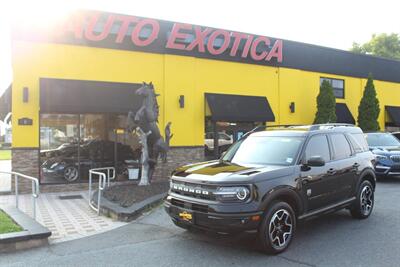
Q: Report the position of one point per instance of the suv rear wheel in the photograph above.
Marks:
(277, 228)
(364, 202)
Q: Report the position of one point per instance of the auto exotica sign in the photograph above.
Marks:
(144, 34)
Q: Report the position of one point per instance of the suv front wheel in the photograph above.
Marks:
(277, 228)
(364, 202)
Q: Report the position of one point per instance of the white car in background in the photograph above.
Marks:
(224, 141)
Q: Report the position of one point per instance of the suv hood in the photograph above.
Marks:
(385, 150)
(222, 171)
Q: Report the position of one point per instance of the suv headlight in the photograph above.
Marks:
(232, 194)
(381, 157)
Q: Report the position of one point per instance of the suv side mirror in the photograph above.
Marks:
(315, 161)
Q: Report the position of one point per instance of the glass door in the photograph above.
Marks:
(59, 148)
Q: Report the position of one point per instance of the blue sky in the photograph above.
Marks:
(329, 23)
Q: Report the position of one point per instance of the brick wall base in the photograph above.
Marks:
(26, 161)
(178, 156)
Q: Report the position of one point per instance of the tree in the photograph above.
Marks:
(326, 104)
(384, 45)
(368, 110)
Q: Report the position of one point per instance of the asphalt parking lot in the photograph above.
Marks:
(332, 240)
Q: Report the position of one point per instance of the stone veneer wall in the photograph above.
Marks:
(178, 156)
(26, 161)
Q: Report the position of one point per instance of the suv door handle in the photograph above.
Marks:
(307, 179)
(331, 171)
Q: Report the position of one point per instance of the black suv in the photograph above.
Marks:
(268, 180)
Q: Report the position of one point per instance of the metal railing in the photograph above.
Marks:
(104, 175)
(35, 189)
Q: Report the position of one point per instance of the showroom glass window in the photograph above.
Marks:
(59, 137)
(337, 85)
(73, 144)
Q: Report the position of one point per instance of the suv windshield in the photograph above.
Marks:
(265, 150)
(382, 139)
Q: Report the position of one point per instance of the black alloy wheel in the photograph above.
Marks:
(364, 204)
(277, 228)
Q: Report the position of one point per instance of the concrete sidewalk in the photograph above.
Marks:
(68, 218)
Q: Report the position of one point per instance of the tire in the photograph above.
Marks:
(362, 209)
(71, 173)
(277, 228)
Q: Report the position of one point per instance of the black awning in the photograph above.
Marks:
(78, 96)
(5, 103)
(394, 113)
(343, 114)
(239, 108)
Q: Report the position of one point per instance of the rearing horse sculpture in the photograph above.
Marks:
(146, 119)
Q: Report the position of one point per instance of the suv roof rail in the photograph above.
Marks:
(330, 126)
(282, 126)
(260, 128)
(312, 127)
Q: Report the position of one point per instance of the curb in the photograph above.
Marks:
(33, 235)
(116, 212)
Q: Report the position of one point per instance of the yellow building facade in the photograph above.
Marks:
(173, 76)
(175, 73)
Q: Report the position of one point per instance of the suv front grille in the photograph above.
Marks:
(395, 158)
(191, 206)
(193, 190)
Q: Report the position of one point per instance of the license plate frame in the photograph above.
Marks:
(186, 216)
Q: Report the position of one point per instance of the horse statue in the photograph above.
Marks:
(168, 135)
(144, 122)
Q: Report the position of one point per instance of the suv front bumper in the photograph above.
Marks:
(202, 218)
(383, 170)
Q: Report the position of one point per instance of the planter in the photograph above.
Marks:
(32, 235)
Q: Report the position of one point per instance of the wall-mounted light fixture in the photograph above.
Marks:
(25, 95)
(292, 107)
(181, 101)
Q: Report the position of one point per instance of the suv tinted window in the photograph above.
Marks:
(318, 146)
(382, 139)
(265, 150)
(341, 146)
(359, 142)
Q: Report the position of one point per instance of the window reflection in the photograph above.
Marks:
(59, 147)
(71, 145)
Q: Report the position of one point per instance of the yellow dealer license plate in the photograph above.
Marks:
(186, 216)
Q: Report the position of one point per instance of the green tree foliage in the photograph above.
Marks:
(384, 45)
(326, 104)
(368, 110)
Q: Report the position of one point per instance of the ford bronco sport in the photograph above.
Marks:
(269, 180)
